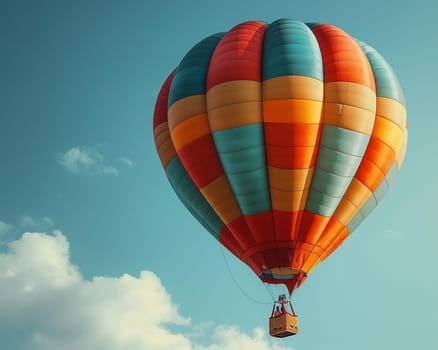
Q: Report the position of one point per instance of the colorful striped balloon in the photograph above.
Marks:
(280, 139)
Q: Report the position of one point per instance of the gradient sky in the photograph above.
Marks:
(78, 82)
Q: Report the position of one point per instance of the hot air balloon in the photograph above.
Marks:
(280, 139)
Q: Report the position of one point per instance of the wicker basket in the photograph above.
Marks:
(284, 325)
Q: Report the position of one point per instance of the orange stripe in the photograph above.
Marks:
(338, 240)
(190, 130)
(304, 252)
(312, 261)
(380, 154)
(331, 231)
(369, 174)
(312, 226)
(292, 111)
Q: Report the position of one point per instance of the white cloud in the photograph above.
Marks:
(29, 221)
(5, 228)
(86, 160)
(126, 161)
(46, 304)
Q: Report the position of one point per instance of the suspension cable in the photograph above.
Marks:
(237, 284)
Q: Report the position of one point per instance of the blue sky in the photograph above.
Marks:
(79, 170)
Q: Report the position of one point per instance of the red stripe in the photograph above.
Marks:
(291, 157)
(201, 161)
(241, 232)
(261, 226)
(286, 224)
(238, 55)
(292, 135)
(160, 112)
(343, 58)
(228, 241)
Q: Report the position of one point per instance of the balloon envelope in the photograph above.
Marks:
(280, 139)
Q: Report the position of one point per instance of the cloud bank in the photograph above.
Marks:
(46, 304)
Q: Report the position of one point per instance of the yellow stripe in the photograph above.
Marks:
(186, 108)
(290, 179)
(235, 115)
(357, 193)
(388, 132)
(349, 117)
(288, 201)
(232, 92)
(166, 152)
(228, 210)
(160, 128)
(351, 94)
(219, 195)
(293, 87)
(392, 110)
(345, 211)
(163, 143)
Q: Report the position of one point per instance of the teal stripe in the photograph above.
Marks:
(328, 183)
(392, 174)
(240, 161)
(344, 140)
(355, 222)
(318, 208)
(376, 198)
(248, 181)
(320, 203)
(242, 154)
(387, 84)
(269, 274)
(241, 138)
(290, 48)
(339, 156)
(192, 198)
(380, 191)
(191, 74)
(337, 162)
